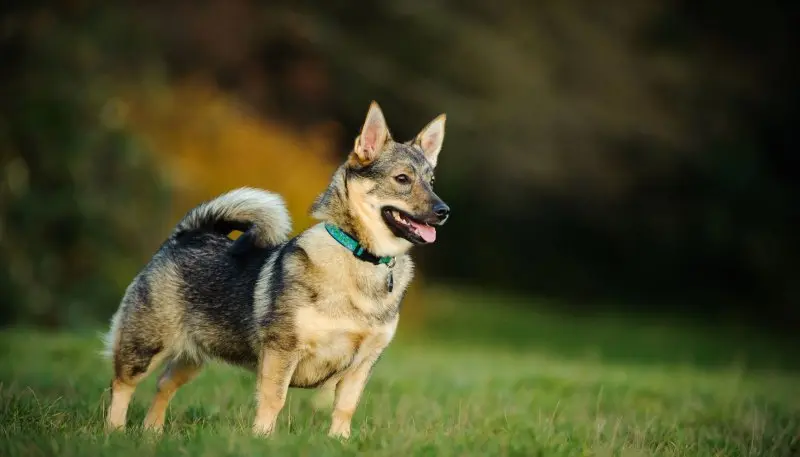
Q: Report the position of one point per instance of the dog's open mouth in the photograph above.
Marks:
(405, 226)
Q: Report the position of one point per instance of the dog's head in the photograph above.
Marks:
(390, 185)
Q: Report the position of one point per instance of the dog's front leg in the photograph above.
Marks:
(348, 392)
(274, 375)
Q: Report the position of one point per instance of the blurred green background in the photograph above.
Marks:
(635, 158)
(619, 275)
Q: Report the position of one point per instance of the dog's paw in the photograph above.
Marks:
(153, 425)
(339, 432)
(263, 430)
(154, 429)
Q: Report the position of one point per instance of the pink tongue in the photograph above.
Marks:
(427, 232)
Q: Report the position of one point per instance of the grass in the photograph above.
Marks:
(479, 379)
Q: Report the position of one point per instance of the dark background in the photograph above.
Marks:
(635, 157)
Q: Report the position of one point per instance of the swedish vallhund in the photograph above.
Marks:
(316, 310)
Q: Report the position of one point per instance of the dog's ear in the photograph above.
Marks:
(430, 139)
(373, 136)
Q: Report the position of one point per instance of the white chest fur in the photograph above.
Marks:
(330, 346)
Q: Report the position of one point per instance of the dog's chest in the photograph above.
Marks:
(330, 345)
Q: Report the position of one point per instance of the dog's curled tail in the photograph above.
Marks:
(261, 214)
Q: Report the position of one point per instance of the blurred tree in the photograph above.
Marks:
(79, 194)
(210, 144)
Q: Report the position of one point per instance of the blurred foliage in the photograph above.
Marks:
(602, 153)
(210, 145)
(79, 193)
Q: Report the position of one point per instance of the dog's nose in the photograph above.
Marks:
(441, 211)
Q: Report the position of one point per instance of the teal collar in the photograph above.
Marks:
(353, 246)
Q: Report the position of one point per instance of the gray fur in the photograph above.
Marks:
(262, 212)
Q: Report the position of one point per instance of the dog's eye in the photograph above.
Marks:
(402, 179)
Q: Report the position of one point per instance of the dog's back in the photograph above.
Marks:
(218, 278)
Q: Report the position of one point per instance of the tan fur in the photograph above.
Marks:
(177, 373)
(121, 394)
(348, 393)
(274, 377)
(166, 300)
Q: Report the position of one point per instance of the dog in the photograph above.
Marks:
(313, 311)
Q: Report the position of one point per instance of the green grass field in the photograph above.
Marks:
(478, 379)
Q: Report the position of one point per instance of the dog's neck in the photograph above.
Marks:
(336, 206)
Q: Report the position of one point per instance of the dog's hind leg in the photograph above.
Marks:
(177, 373)
(135, 357)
